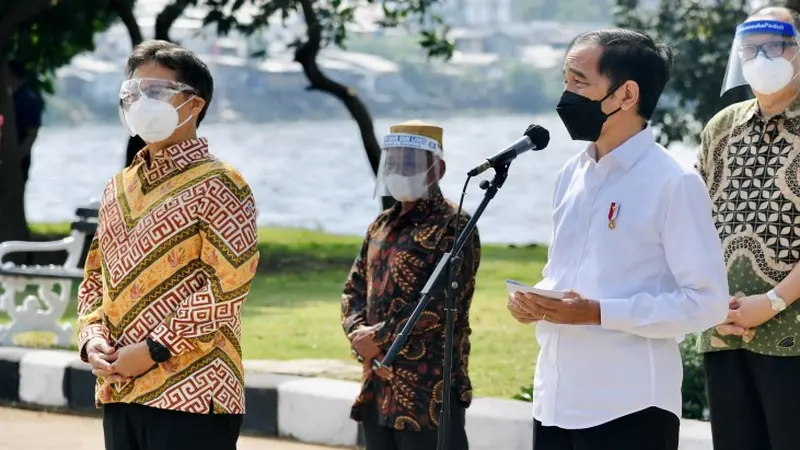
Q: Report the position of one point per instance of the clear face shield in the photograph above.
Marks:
(763, 56)
(409, 168)
(150, 94)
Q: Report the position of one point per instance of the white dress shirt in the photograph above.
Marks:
(658, 274)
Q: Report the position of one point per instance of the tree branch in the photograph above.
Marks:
(306, 54)
(124, 9)
(168, 16)
(20, 12)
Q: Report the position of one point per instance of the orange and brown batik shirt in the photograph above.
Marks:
(173, 259)
(398, 256)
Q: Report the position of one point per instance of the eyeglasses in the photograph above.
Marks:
(407, 161)
(153, 88)
(772, 49)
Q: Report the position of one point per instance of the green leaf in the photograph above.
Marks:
(700, 33)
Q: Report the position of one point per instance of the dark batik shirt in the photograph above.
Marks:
(398, 256)
(752, 169)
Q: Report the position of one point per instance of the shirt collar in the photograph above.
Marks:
(180, 154)
(751, 110)
(627, 154)
(421, 209)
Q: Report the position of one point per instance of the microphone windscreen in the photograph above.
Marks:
(538, 135)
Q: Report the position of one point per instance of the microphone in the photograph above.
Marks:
(535, 138)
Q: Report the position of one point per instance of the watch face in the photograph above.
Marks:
(163, 354)
(158, 352)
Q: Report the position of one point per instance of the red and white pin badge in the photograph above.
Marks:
(613, 212)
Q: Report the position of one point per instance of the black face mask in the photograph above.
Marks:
(583, 117)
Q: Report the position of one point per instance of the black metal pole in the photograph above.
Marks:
(451, 293)
(447, 264)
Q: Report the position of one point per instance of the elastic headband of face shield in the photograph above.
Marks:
(409, 167)
(759, 53)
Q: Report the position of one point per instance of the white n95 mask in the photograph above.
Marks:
(407, 188)
(154, 120)
(767, 75)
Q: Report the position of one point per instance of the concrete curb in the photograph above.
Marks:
(311, 410)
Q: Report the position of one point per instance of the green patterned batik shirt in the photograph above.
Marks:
(751, 167)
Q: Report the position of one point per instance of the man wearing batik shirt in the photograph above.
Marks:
(399, 407)
(159, 310)
(750, 159)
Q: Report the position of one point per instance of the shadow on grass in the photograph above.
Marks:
(294, 290)
(305, 258)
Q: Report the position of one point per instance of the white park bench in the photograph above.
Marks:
(44, 311)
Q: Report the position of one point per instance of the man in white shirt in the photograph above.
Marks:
(634, 246)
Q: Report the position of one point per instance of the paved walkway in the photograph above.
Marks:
(33, 430)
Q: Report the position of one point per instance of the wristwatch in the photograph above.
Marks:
(158, 352)
(778, 304)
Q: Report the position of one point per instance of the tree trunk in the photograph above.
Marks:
(306, 54)
(164, 22)
(124, 9)
(168, 16)
(13, 225)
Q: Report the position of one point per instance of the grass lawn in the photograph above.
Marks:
(293, 311)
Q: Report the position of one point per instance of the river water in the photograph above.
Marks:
(315, 174)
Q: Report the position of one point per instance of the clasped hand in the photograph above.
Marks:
(118, 365)
(365, 346)
(573, 309)
(745, 313)
(362, 342)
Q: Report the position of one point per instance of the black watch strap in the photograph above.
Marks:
(158, 352)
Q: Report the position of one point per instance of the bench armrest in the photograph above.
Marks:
(72, 244)
(9, 247)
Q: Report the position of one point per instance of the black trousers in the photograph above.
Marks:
(138, 427)
(378, 437)
(649, 429)
(754, 400)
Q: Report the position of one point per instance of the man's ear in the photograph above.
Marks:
(198, 103)
(630, 95)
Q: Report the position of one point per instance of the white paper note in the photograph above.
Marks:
(515, 286)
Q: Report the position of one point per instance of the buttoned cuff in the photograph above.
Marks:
(615, 314)
(168, 338)
(88, 333)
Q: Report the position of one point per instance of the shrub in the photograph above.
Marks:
(695, 403)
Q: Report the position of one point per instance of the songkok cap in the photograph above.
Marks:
(431, 134)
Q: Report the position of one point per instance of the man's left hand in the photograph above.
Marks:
(363, 343)
(385, 373)
(133, 360)
(731, 329)
(574, 309)
(752, 311)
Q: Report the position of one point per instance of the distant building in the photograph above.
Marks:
(460, 13)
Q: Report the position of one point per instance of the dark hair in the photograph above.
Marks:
(632, 55)
(17, 68)
(795, 15)
(187, 66)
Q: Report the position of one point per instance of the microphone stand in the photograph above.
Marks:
(449, 263)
